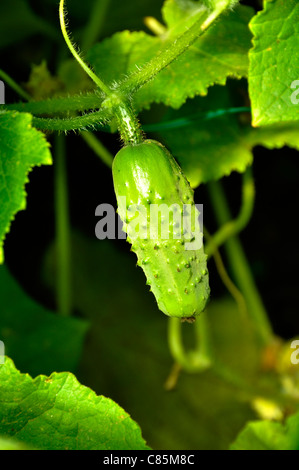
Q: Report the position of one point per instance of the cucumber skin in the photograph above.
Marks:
(147, 174)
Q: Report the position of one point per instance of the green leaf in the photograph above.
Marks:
(267, 435)
(38, 340)
(21, 148)
(180, 14)
(208, 149)
(274, 63)
(58, 413)
(275, 136)
(221, 52)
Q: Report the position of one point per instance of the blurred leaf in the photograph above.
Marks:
(274, 62)
(21, 148)
(208, 149)
(58, 413)
(12, 444)
(267, 435)
(221, 52)
(274, 136)
(41, 83)
(18, 21)
(73, 77)
(38, 340)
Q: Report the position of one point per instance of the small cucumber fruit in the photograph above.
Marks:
(147, 178)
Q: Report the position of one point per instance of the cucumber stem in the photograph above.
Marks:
(194, 360)
(128, 125)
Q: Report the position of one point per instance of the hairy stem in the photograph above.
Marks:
(128, 125)
(139, 78)
(52, 106)
(76, 55)
(92, 120)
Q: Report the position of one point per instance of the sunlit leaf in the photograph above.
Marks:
(21, 148)
(274, 63)
(58, 413)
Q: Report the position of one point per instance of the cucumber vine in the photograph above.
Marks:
(116, 100)
(106, 103)
(191, 106)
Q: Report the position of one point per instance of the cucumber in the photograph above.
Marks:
(147, 178)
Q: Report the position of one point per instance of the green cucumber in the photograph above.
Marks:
(146, 177)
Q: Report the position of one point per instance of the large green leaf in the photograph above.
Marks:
(21, 148)
(38, 340)
(274, 63)
(221, 52)
(267, 435)
(208, 149)
(57, 412)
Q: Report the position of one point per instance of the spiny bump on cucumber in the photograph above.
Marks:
(148, 177)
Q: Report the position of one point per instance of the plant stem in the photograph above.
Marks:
(98, 148)
(240, 268)
(203, 338)
(76, 55)
(155, 26)
(235, 226)
(185, 121)
(231, 287)
(10, 82)
(128, 125)
(82, 102)
(96, 21)
(93, 120)
(139, 78)
(194, 360)
(63, 281)
(175, 342)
